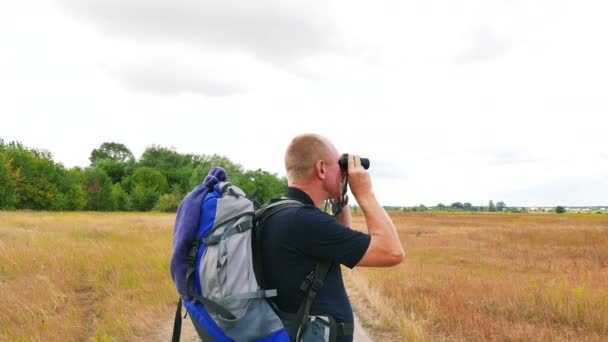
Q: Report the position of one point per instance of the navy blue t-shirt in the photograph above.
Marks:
(294, 241)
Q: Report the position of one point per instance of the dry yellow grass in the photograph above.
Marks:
(467, 277)
(492, 277)
(83, 276)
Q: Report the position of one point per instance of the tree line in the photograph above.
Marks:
(468, 207)
(115, 180)
(459, 206)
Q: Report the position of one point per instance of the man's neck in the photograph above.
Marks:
(314, 192)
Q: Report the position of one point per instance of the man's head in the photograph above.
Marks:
(311, 161)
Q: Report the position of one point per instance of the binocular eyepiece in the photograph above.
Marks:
(344, 162)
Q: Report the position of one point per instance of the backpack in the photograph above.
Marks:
(216, 266)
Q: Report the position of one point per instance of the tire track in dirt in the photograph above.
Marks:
(85, 300)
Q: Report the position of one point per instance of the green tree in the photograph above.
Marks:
(560, 210)
(198, 175)
(150, 178)
(500, 206)
(111, 151)
(122, 200)
(71, 195)
(143, 199)
(457, 205)
(176, 168)
(234, 171)
(178, 192)
(267, 185)
(7, 190)
(145, 187)
(491, 206)
(98, 187)
(115, 170)
(32, 180)
(35, 176)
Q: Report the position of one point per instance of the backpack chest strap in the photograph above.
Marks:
(239, 228)
(249, 295)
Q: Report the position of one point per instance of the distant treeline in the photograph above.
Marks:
(459, 206)
(498, 207)
(115, 180)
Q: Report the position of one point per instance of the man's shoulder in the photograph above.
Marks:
(303, 222)
(310, 214)
(292, 207)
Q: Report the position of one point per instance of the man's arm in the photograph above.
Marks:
(384, 249)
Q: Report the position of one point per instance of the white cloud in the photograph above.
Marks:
(451, 101)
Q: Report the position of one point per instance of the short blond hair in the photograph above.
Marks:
(303, 153)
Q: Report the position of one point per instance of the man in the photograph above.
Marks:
(297, 239)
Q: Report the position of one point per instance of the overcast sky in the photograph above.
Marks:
(464, 101)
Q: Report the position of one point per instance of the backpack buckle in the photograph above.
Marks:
(190, 260)
(317, 284)
(310, 278)
(191, 257)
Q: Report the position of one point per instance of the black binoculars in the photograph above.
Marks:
(344, 162)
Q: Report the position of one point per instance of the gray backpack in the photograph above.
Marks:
(227, 300)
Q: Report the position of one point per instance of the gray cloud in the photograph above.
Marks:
(284, 34)
(272, 30)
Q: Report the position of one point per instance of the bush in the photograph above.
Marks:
(167, 203)
(122, 200)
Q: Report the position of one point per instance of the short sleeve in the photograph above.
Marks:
(321, 236)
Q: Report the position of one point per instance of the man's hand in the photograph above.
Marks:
(358, 178)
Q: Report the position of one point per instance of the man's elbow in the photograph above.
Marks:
(380, 254)
(396, 259)
(393, 258)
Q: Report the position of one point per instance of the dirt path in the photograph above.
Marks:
(189, 334)
(361, 334)
(363, 309)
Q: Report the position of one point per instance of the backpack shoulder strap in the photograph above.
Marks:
(265, 212)
(261, 215)
(177, 323)
(311, 285)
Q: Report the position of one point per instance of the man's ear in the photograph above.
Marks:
(321, 169)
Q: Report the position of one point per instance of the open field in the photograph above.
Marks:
(467, 277)
(491, 277)
(77, 276)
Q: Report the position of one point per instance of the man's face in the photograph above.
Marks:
(335, 177)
